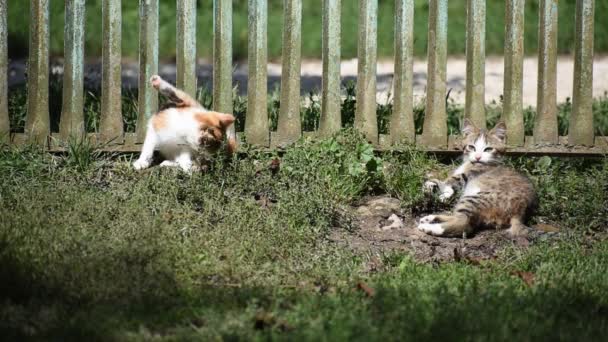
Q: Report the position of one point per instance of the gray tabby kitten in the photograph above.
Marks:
(493, 195)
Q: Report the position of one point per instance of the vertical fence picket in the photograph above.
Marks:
(330, 120)
(514, 72)
(402, 120)
(222, 56)
(186, 46)
(37, 125)
(256, 122)
(545, 126)
(289, 126)
(111, 125)
(476, 54)
(72, 119)
(435, 122)
(365, 114)
(4, 119)
(581, 120)
(148, 64)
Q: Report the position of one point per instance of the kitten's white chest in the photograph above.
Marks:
(181, 129)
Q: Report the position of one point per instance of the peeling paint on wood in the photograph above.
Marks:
(402, 120)
(365, 114)
(72, 118)
(476, 53)
(545, 126)
(256, 121)
(435, 129)
(580, 131)
(330, 121)
(111, 125)
(148, 64)
(37, 125)
(186, 46)
(289, 126)
(514, 71)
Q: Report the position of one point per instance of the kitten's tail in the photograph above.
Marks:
(231, 140)
(179, 97)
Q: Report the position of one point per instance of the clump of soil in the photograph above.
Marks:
(383, 226)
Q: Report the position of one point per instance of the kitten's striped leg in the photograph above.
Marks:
(445, 225)
(517, 227)
(179, 97)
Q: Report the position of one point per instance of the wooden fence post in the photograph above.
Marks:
(186, 46)
(111, 125)
(435, 122)
(4, 119)
(514, 71)
(72, 117)
(289, 126)
(545, 126)
(330, 121)
(402, 120)
(365, 115)
(581, 120)
(37, 125)
(256, 122)
(476, 53)
(148, 64)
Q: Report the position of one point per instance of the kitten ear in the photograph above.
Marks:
(500, 130)
(468, 127)
(225, 119)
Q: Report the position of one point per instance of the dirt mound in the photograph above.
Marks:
(382, 226)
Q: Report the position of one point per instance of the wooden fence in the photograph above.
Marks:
(580, 139)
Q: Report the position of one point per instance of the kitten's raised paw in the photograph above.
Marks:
(428, 219)
(141, 164)
(156, 81)
(431, 228)
(429, 186)
(446, 194)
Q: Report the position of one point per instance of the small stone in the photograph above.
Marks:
(396, 223)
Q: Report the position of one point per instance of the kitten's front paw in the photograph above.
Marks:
(429, 186)
(141, 164)
(431, 228)
(156, 81)
(446, 194)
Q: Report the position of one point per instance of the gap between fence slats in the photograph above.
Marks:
(37, 125)
(256, 122)
(580, 130)
(72, 119)
(402, 120)
(545, 126)
(186, 46)
(435, 121)
(330, 121)
(514, 71)
(289, 126)
(111, 125)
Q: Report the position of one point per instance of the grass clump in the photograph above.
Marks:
(91, 248)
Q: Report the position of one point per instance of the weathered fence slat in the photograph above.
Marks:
(434, 132)
(72, 117)
(514, 71)
(4, 119)
(147, 97)
(545, 126)
(186, 46)
(330, 120)
(581, 120)
(365, 114)
(476, 54)
(111, 125)
(37, 125)
(256, 122)
(222, 56)
(402, 120)
(289, 126)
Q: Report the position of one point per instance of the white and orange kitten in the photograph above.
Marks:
(186, 133)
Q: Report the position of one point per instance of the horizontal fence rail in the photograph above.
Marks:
(545, 139)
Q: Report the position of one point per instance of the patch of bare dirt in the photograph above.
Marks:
(383, 226)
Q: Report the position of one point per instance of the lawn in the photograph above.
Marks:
(91, 249)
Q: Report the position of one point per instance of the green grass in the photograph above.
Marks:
(91, 249)
(311, 28)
